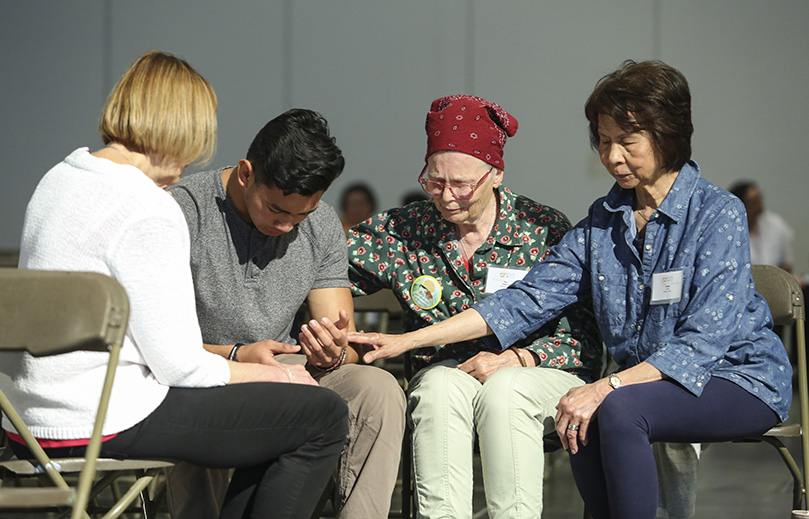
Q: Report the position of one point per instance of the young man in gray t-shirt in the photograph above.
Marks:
(262, 244)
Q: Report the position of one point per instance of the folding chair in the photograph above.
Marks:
(49, 313)
(785, 299)
(383, 303)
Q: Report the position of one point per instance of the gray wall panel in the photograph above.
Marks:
(372, 69)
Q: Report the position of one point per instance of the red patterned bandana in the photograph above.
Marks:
(470, 125)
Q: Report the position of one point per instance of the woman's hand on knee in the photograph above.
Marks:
(575, 411)
(485, 363)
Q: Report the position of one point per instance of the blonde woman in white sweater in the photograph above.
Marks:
(106, 211)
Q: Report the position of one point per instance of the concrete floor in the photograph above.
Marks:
(736, 481)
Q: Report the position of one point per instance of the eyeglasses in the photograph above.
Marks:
(459, 190)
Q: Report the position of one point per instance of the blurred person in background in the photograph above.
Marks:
(770, 235)
(357, 203)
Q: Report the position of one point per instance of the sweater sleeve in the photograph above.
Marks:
(150, 259)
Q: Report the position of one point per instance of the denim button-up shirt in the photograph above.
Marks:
(720, 326)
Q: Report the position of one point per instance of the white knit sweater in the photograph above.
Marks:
(90, 214)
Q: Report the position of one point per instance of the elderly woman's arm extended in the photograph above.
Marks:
(464, 326)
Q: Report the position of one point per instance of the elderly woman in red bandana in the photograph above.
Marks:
(439, 257)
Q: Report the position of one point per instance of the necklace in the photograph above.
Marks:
(640, 213)
(463, 248)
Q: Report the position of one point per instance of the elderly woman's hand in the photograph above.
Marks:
(576, 409)
(384, 346)
(484, 363)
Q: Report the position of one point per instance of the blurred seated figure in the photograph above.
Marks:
(770, 235)
(357, 203)
(414, 196)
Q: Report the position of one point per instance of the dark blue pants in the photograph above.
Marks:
(284, 441)
(616, 473)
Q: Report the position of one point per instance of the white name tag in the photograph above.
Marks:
(667, 287)
(497, 278)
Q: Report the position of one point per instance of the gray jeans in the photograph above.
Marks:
(677, 465)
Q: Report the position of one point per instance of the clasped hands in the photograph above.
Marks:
(322, 342)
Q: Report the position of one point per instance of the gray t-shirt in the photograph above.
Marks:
(248, 285)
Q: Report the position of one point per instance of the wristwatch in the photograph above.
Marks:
(614, 381)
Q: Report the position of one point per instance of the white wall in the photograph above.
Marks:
(372, 68)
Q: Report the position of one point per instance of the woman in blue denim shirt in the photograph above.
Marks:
(666, 258)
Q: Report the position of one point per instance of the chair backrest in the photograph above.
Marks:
(382, 301)
(782, 292)
(381, 305)
(46, 312)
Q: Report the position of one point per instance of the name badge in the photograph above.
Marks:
(667, 287)
(497, 278)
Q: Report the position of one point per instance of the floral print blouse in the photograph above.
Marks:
(401, 246)
(714, 325)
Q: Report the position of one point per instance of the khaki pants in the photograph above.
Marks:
(677, 465)
(511, 413)
(368, 465)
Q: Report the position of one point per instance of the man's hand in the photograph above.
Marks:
(263, 352)
(323, 342)
(484, 363)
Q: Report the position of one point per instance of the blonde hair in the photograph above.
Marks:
(162, 107)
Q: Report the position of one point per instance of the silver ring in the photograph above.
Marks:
(572, 427)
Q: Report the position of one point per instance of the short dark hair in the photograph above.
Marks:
(650, 96)
(359, 187)
(739, 189)
(295, 153)
(414, 196)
